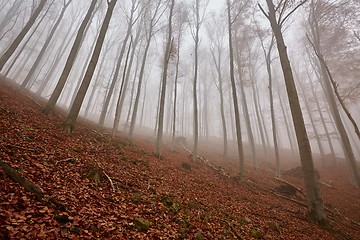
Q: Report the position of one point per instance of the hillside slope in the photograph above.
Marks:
(108, 188)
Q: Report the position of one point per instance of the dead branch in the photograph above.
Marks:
(21, 148)
(111, 182)
(290, 199)
(292, 185)
(107, 176)
(65, 160)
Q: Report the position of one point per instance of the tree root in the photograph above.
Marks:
(31, 187)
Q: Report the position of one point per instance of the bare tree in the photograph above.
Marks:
(70, 61)
(277, 18)
(9, 52)
(217, 33)
(230, 21)
(331, 88)
(132, 19)
(167, 56)
(69, 124)
(45, 46)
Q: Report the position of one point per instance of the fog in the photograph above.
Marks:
(252, 37)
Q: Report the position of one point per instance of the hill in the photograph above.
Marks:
(92, 186)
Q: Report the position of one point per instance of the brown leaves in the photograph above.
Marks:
(178, 198)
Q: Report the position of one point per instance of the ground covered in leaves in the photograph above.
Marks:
(108, 188)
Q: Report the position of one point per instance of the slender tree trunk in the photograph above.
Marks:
(9, 52)
(332, 152)
(167, 56)
(118, 109)
(69, 124)
(45, 46)
(69, 62)
(315, 204)
(234, 95)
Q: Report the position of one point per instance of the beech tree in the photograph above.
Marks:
(13, 46)
(167, 57)
(46, 44)
(230, 22)
(69, 123)
(316, 21)
(277, 16)
(198, 14)
(47, 110)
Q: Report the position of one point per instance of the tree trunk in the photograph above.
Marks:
(69, 62)
(9, 52)
(167, 56)
(44, 47)
(315, 204)
(69, 124)
(234, 95)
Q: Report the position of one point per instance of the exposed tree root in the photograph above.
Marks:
(31, 187)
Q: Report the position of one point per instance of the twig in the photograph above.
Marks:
(65, 160)
(111, 182)
(107, 176)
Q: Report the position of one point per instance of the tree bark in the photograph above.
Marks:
(315, 204)
(164, 80)
(35, 65)
(69, 62)
(69, 124)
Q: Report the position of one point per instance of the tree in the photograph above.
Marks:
(315, 39)
(151, 19)
(316, 208)
(9, 52)
(268, 59)
(46, 44)
(167, 56)
(69, 124)
(217, 33)
(47, 110)
(197, 21)
(230, 21)
(132, 19)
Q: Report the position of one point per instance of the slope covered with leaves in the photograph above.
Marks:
(111, 189)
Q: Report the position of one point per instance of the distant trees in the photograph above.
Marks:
(47, 110)
(11, 49)
(318, 22)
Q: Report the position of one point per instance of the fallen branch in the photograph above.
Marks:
(111, 182)
(290, 199)
(291, 185)
(107, 176)
(65, 160)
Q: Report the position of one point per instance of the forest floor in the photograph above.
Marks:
(94, 186)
